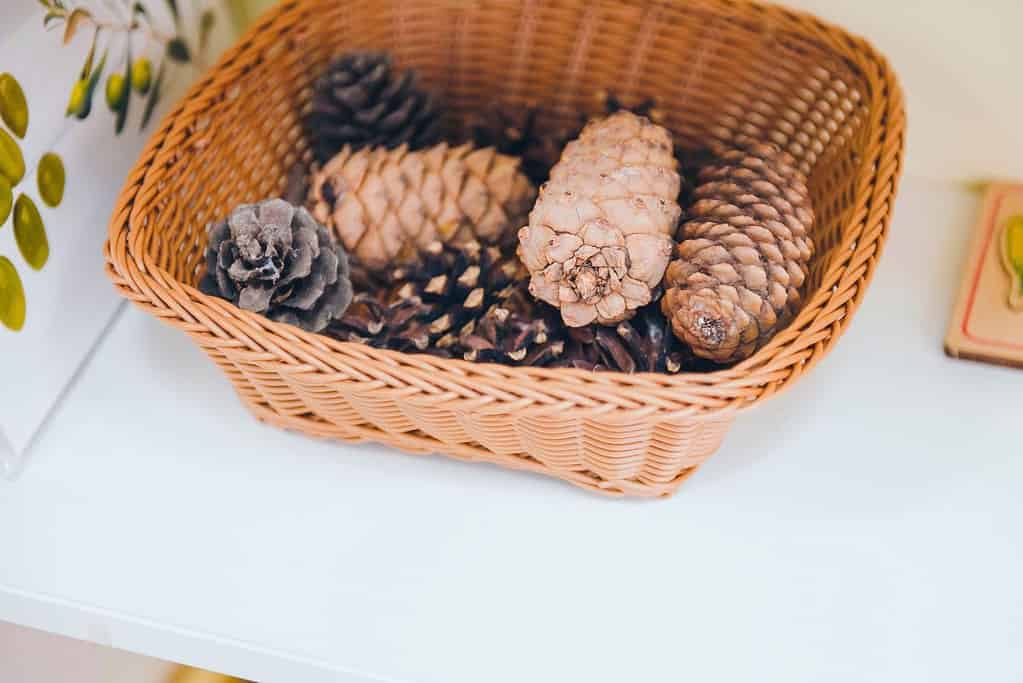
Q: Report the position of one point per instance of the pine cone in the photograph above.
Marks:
(642, 344)
(600, 235)
(514, 330)
(412, 307)
(455, 305)
(515, 130)
(359, 102)
(274, 259)
(386, 206)
(744, 254)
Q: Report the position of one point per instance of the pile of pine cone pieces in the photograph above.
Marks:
(637, 259)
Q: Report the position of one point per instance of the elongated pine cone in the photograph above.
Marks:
(386, 206)
(361, 102)
(273, 258)
(743, 256)
(602, 230)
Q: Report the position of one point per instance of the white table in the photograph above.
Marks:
(865, 525)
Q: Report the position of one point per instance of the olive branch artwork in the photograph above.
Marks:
(126, 28)
(125, 37)
(29, 230)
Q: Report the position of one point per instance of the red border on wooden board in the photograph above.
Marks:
(995, 210)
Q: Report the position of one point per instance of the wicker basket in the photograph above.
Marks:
(717, 68)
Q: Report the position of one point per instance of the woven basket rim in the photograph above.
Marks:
(792, 351)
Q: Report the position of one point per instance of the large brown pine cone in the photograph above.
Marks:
(743, 256)
(600, 235)
(360, 102)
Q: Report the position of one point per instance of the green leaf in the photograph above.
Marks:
(154, 96)
(138, 9)
(87, 66)
(206, 22)
(122, 107)
(173, 5)
(50, 16)
(178, 50)
(75, 20)
(98, 71)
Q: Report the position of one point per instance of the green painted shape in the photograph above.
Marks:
(6, 200)
(1014, 243)
(76, 101)
(122, 105)
(50, 178)
(142, 75)
(116, 90)
(12, 163)
(13, 106)
(12, 296)
(30, 233)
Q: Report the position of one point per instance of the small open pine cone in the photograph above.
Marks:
(601, 232)
(273, 258)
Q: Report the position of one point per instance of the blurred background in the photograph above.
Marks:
(30, 656)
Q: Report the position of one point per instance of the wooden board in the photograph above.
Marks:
(987, 321)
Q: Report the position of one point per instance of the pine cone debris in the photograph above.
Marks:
(438, 304)
(361, 102)
(385, 206)
(601, 233)
(473, 304)
(744, 254)
(517, 131)
(275, 259)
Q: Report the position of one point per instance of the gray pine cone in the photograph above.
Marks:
(275, 259)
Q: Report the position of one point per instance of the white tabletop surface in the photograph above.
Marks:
(865, 525)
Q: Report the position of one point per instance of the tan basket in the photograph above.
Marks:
(717, 68)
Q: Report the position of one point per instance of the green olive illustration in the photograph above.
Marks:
(116, 91)
(12, 164)
(141, 75)
(78, 104)
(6, 200)
(30, 233)
(50, 179)
(13, 107)
(12, 296)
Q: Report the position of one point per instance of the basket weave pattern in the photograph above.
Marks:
(719, 69)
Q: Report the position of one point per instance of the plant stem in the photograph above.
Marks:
(120, 27)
